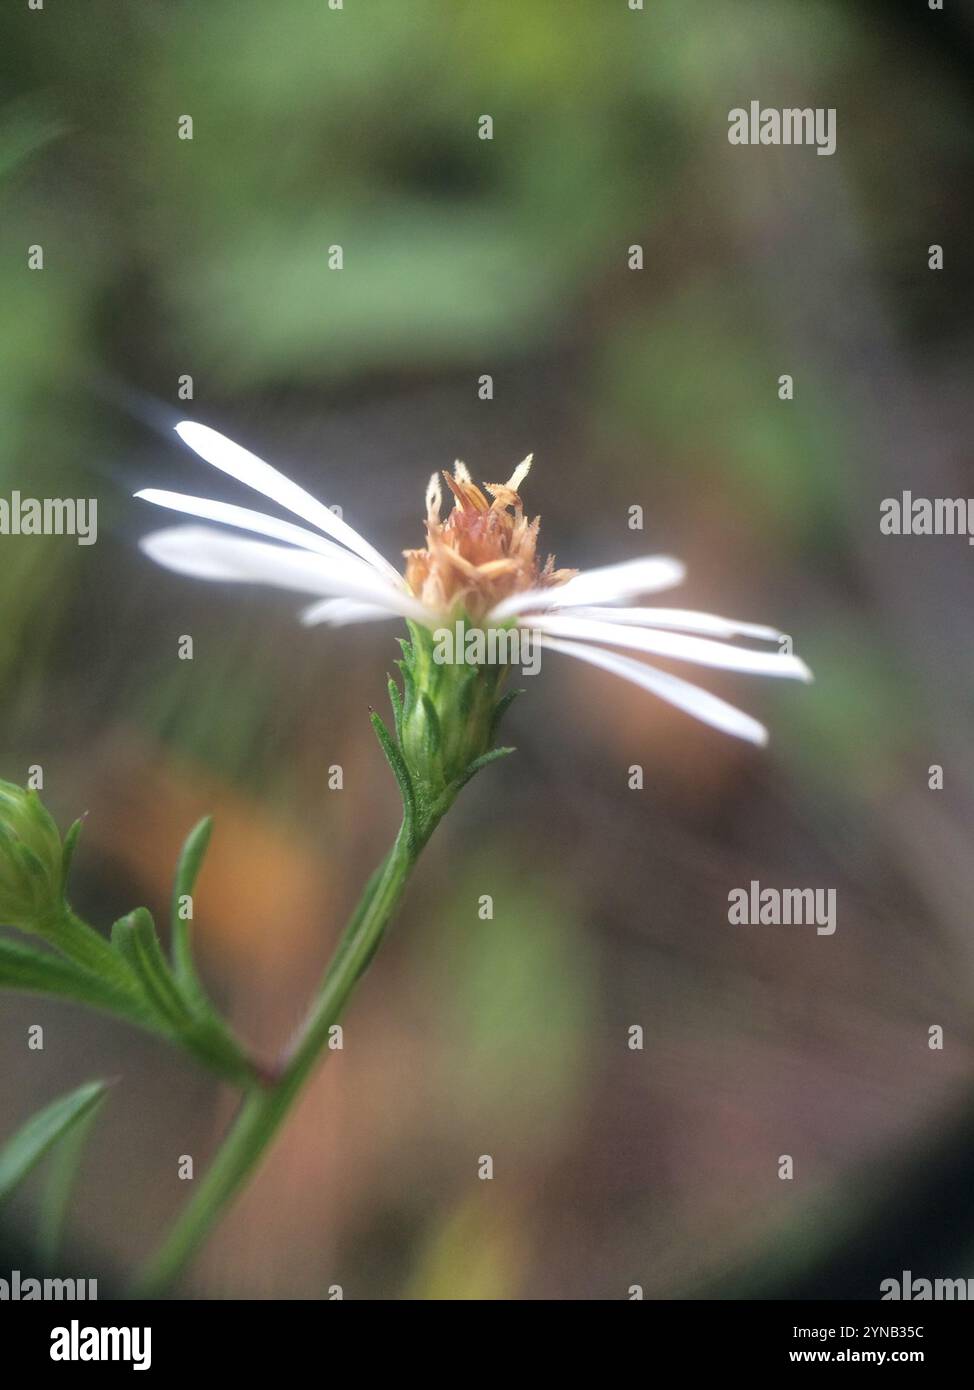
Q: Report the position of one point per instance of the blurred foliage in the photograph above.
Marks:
(517, 995)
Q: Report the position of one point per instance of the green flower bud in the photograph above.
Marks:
(450, 712)
(31, 861)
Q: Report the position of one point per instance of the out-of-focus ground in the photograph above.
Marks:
(656, 388)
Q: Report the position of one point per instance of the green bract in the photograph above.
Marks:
(450, 713)
(31, 861)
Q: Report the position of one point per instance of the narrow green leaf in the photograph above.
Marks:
(433, 735)
(207, 1036)
(395, 700)
(482, 761)
(490, 757)
(63, 1167)
(187, 872)
(134, 937)
(34, 971)
(395, 761)
(408, 682)
(200, 1031)
(34, 1139)
(500, 709)
(67, 851)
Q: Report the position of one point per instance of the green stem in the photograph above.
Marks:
(264, 1109)
(88, 948)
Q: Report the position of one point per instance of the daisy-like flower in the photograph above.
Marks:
(479, 564)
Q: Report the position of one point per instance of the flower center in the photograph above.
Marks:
(483, 552)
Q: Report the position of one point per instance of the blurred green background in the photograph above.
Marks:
(659, 388)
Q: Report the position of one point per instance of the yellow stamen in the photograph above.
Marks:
(520, 473)
(434, 498)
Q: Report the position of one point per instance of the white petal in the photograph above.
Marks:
(673, 644)
(337, 612)
(684, 619)
(249, 520)
(690, 698)
(461, 472)
(208, 554)
(608, 584)
(247, 468)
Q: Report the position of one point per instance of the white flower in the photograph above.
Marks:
(480, 561)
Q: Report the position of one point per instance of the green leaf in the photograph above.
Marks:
(135, 939)
(187, 872)
(207, 1036)
(433, 734)
(500, 709)
(143, 991)
(194, 1025)
(35, 971)
(67, 851)
(63, 1167)
(407, 667)
(43, 1130)
(395, 699)
(395, 761)
(482, 761)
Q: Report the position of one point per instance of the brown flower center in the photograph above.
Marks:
(483, 552)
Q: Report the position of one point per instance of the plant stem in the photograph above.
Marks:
(264, 1108)
(88, 948)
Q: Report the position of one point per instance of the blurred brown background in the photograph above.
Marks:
(659, 388)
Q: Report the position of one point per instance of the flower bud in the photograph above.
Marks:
(450, 712)
(31, 861)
